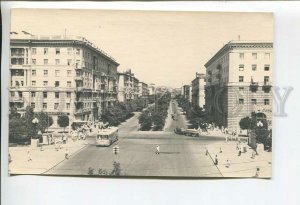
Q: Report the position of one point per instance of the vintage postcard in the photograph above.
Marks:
(140, 93)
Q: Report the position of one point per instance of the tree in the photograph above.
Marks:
(245, 123)
(30, 127)
(45, 121)
(63, 121)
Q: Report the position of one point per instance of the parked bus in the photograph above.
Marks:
(107, 136)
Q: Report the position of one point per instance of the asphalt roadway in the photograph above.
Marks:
(180, 156)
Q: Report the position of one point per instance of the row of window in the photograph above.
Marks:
(254, 67)
(57, 51)
(56, 106)
(56, 84)
(57, 61)
(254, 56)
(57, 73)
(254, 101)
(266, 79)
(45, 94)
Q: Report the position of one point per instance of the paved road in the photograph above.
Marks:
(180, 156)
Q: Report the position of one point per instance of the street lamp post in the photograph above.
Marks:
(34, 139)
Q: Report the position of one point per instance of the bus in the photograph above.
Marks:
(107, 136)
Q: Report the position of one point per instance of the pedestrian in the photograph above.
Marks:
(228, 163)
(157, 149)
(66, 153)
(237, 146)
(257, 173)
(240, 151)
(253, 155)
(29, 156)
(221, 150)
(206, 151)
(216, 160)
(64, 138)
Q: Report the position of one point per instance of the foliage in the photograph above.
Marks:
(246, 123)
(63, 121)
(45, 121)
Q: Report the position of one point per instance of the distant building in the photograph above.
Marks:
(151, 88)
(187, 92)
(198, 90)
(61, 75)
(125, 85)
(239, 81)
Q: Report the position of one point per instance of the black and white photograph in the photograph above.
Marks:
(127, 93)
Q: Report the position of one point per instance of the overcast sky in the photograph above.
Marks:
(165, 48)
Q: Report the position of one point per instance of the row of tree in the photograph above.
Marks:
(22, 128)
(154, 117)
(121, 111)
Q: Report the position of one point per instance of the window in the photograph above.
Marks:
(241, 67)
(241, 79)
(32, 105)
(20, 94)
(33, 83)
(22, 83)
(45, 73)
(56, 83)
(12, 94)
(77, 51)
(45, 51)
(56, 73)
(56, 94)
(69, 61)
(241, 89)
(57, 51)
(267, 55)
(254, 67)
(69, 50)
(33, 51)
(56, 106)
(253, 101)
(68, 94)
(266, 101)
(68, 83)
(33, 61)
(68, 106)
(254, 56)
(241, 55)
(32, 94)
(241, 101)
(267, 67)
(45, 83)
(45, 61)
(69, 72)
(57, 61)
(266, 80)
(33, 72)
(45, 95)
(44, 105)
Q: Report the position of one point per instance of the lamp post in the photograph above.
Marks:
(34, 140)
(35, 121)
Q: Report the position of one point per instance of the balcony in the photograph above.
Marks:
(253, 86)
(266, 86)
(79, 78)
(82, 111)
(79, 89)
(16, 99)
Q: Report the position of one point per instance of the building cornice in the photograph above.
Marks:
(240, 45)
(57, 42)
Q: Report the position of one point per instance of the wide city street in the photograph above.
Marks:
(180, 156)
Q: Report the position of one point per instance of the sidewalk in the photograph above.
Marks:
(240, 166)
(42, 161)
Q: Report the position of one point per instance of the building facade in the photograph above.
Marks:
(187, 92)
(126, 86)
(239, 82)
(61, 75)
(198, 90)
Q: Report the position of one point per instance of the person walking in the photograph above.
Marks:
(29, 156)
(221, 150)
(228, 163)
(66, 153)
(206, 151)
(257, 173)
(216, 160)
(240, 151)
(157, 149)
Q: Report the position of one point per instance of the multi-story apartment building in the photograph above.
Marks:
(143, 91)
(61, 75)
(151, 88)
(239, 80)
(125, 86)
(198, 90)
(136, 88)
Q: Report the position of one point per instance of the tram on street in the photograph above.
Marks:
(107, 136)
